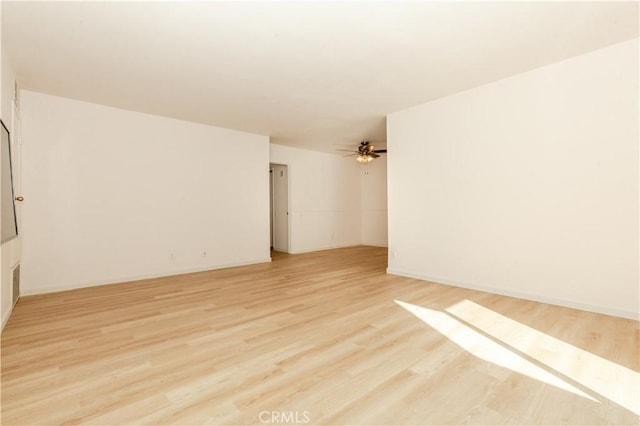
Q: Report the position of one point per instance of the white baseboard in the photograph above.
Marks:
(331, 247)
(521, 295)
(375, 245)
(7, 315)
(44, 290)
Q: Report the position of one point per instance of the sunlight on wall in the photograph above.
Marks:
(615, 382)
(486, 349)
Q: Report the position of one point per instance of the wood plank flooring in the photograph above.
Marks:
(318, 338)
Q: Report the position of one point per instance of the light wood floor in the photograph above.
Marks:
(326, 336)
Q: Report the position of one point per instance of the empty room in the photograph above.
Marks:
(320, 213)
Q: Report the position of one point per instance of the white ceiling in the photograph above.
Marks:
(309, 74)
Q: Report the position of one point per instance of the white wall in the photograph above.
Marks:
(324, 199)
(527, 186)
(114, 195)
(374, 202)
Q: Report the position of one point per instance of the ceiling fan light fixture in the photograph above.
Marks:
(364, 158)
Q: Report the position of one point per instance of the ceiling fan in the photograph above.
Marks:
(365, 153)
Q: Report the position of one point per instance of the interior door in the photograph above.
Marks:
(15, 245)
(280, 208)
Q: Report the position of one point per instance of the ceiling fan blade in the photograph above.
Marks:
(350, 155)
(373, 154)
(380, 150)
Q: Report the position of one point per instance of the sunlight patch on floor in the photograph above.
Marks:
(485, 348)
(615, 382)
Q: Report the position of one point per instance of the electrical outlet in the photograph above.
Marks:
(204, 254)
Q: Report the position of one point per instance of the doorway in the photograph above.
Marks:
(279, 190)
